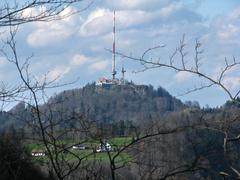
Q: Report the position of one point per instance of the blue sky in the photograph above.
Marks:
(73, 48)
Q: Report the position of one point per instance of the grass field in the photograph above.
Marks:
(120, 141)
(89, 156)
(87, 153)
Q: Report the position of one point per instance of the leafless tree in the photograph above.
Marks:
(31, 90)
(178, 62)
(15, 13)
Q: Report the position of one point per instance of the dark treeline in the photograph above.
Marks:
(15, 162)
(138, 110)
(119, 106)
(119, 110)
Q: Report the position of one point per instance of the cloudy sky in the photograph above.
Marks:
(74, 48)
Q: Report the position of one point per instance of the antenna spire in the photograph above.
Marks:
(123, 72)
(114, 72)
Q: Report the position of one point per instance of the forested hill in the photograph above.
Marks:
(128, 103)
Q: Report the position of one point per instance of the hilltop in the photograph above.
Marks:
(124, 102)
(128, 103)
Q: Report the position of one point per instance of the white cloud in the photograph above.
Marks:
(131, 3)
(3, 61)
(231, 78)
(91, 63)
(138, 4)
(31, 12)
(99, 65)
(235, 14)
(182, 76)
(101, 21)
(227, 29)
(47, 33)
(171, 8)
(79, 60)
(140, 24)
(228, 32)
(232, 83)
(58, 73)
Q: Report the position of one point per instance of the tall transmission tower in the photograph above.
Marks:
(114, 72)
(123, 73)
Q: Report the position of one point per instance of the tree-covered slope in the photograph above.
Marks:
(128, 103)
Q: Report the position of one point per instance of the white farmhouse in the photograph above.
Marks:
(103, 147)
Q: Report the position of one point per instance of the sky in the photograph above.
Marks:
(75, 48)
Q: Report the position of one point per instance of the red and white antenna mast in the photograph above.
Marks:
(114, 72)
(123, 72)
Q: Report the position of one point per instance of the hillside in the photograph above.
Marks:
(130, 102)
(126, 112)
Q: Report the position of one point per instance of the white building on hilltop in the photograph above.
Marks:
(105, 82)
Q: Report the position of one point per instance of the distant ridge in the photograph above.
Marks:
(130, 102)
